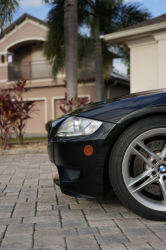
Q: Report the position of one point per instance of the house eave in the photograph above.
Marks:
(122, 36)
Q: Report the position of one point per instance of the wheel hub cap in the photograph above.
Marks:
(162, 169)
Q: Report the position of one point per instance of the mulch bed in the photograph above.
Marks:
(32, 147)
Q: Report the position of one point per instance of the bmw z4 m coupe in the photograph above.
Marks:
(117, 144)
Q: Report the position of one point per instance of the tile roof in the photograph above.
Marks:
(159, 19)
(19, 21)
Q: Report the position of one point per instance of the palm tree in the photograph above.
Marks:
(7, 10)
(61, 46)
(71, 31)
(97, 15)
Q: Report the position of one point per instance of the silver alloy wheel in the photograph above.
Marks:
(153, 171)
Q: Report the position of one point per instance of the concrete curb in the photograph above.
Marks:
(23, 151)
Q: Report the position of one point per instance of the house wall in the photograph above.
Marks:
(47, 104)
(22, 54)
(148, 62)
(144, 68)
(162, 63)
(28, 30)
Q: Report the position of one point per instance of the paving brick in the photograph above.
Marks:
(113, 246)
(94, 211)
(41, 219)
(129, 223)
(49, 207)
(24, 213)
(2, 229)
(71, 213)
(108, 229)
(84, 206)
(161, 235)
(25, 205)
(82, 243)
(50, 242)
(17, 242)
(55, 233)
(93, 217)
(130, 215)
(47, 225)
(88, 231)
(75, 223)
(20, 229)
(52, 248)
(140, 234)
(5, 215)
(47, 213)
(111, 238)
(138, 246)
(157, 227)
(101, 222)
(10, 221)
(158, 245)
(147, 222)
(118, 209)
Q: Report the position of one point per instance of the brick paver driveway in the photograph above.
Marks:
(35, 215)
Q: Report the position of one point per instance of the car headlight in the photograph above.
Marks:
(77, 126)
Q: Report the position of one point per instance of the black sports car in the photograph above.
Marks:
(118, 143)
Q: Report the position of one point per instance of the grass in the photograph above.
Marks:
(31, 139)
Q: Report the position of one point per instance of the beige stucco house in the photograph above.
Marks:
(21, 55)
(147, 44)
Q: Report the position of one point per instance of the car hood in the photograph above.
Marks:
(113, 110)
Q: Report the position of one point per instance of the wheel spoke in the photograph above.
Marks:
(163, 153)
(142, 157)
(140, 177)
(163, 189)
(150, 180)
(147, 150)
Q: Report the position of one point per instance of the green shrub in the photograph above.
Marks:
(47, 126)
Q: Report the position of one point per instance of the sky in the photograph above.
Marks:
(38, 9)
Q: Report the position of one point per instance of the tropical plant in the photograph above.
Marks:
(94, 16)
(24, 108)
(14, 112)
(47, 126)
(67, 106)
(7, 10)
(8, 115)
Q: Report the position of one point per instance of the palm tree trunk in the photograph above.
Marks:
(71, 33)
(98, 59)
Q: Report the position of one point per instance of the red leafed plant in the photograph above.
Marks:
(8, 114)
(14, 112)
(68, 106)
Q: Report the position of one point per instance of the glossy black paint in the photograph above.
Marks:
(116, 114)
(118, 109)
(69, 153)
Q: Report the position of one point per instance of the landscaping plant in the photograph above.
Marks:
(8, 114)
(68, 106)
(25, 108)
(47, 126)
(14, 112)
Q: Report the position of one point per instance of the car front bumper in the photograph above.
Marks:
(81, 175)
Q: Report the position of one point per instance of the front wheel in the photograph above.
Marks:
(137, 168)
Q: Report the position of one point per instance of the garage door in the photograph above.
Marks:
(37, 123)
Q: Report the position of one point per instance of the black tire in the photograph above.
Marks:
(115, 167)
